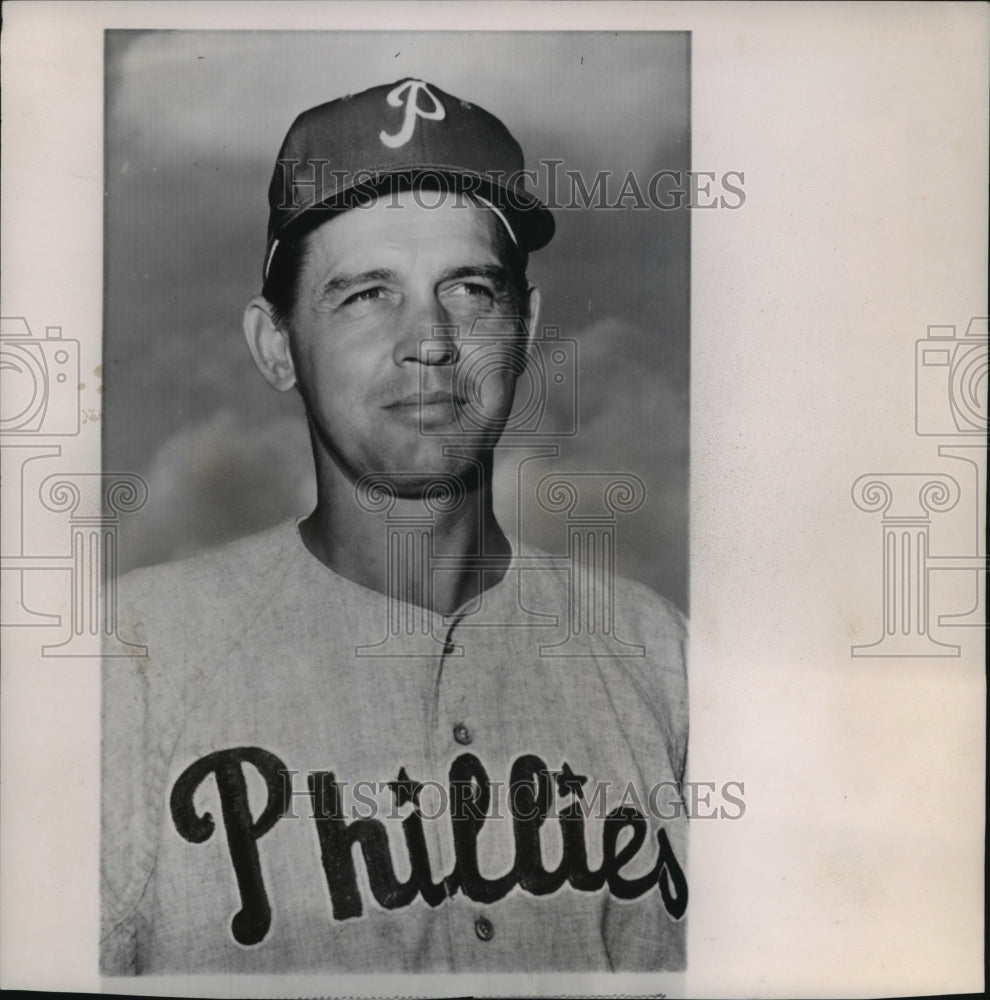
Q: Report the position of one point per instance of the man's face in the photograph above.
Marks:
(406, 337)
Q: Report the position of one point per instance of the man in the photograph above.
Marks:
(387, 736)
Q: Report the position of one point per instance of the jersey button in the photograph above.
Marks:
(462, 734)
(484, 928)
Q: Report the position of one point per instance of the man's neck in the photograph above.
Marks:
(410, 550)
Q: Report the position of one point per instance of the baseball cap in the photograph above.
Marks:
(407, 134)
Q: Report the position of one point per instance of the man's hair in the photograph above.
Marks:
(281, 287)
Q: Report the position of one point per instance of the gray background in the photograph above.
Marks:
(193, 123)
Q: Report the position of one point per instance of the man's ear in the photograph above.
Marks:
(269, 345)
(533, 303)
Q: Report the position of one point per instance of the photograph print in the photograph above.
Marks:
(396, 346)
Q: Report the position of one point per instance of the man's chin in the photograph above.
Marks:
(433, 472)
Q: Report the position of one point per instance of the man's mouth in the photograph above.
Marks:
(425, 399)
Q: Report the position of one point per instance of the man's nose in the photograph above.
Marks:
(429, 335)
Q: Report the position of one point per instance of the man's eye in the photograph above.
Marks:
(365, 295)
(471, 289)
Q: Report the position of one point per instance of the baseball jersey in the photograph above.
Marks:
(303, 775)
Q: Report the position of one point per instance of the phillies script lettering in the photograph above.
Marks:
(470, 800)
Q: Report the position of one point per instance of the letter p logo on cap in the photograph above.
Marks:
(413, 111)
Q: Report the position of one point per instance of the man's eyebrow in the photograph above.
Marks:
(342, 282)
(496, 274)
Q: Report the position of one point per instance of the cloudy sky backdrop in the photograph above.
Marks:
(193, 123)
